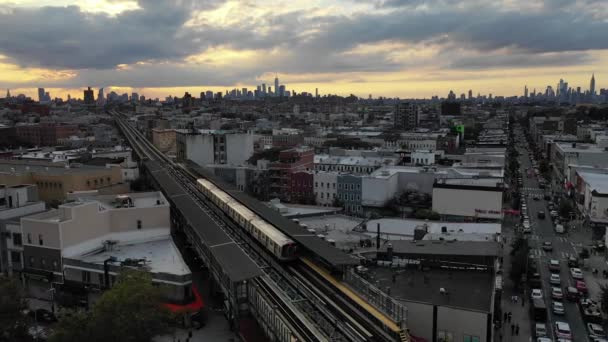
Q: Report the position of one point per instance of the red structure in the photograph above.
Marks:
(301, 190)
(282, 181)
(192, 307)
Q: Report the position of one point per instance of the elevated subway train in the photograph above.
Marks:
(271, 238)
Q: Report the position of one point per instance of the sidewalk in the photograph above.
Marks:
(594, 282)
(520, 314)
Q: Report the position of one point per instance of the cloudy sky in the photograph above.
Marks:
(405, 48)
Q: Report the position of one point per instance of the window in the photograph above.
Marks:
(334, 185)
(55, 265)
(316, 184)
(108, 179)
(470, 338)
(32, 261)
(29, 237)
(138, 224)
(322, 194)
(86, 277)
(444, 336)
(43, 262)
(17, 239)
(40, 240)
(16, 257)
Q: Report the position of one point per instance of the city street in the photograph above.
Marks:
(564, 245)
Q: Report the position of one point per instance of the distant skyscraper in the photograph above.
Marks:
(8, 93)
(263, 89)
(276, 85)
(89, 97)
(282, 90)
(100, 97)
(526, 91)
(470, 94)
(41, 97)
(316, 92)
(592, 85)
(451, 96)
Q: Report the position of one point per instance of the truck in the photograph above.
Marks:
(539, 310)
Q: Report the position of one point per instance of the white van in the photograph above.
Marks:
(559, 228)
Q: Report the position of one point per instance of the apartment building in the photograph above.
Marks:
(122, 231)
(55, 180)
(214, 146)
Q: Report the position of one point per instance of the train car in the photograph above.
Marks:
(266, 234)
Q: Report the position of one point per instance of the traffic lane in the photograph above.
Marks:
(572, 314)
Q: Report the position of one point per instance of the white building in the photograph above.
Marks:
(134, 226)
(214, 147)
(474, 198)
(592, 195)
(325, 188)
(422, 157)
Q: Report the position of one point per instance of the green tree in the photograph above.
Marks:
(131, 311)
(13, 325)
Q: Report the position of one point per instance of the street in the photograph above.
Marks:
(564, 246)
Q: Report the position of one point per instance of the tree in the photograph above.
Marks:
(519, 259)
(565, 208)
(131, 311)
(13, 325)
(604, 297)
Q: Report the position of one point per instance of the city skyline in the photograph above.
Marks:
(526, 91)
(382, 47)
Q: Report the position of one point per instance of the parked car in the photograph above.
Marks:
(555, 279)
(558, 308)
(562, 330)
(557, 293)
(554, 265)
(576, 273)
(547, 246)
(543, 339)
(595, 330)
(537, 293)
(581, 286)
(540, 330)
(541, 215)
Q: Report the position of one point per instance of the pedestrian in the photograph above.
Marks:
(517, 329)
(512, 329)
(505, 317)
(509, 316)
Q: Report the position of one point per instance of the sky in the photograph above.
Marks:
(395, 48)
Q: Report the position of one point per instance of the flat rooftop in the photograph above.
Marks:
(354, 160)
(446, 247)
(466, 289)
(155, 246)
(596, 181)
(139, 199)
(580, 148)
(25, 166)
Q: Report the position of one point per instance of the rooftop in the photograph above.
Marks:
(129, 200)
(579, 148)
(355, 160)
(446, 247)
(155, 246)
(475, 182)
(465, 289)
(597, 181)
(24, 166)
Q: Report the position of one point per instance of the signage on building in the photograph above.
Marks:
(481, 211)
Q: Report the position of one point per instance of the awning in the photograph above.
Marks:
(194, 306)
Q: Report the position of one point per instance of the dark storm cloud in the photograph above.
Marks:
(518, 60)
(67, 38)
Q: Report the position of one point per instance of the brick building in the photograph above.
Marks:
(281, 172)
